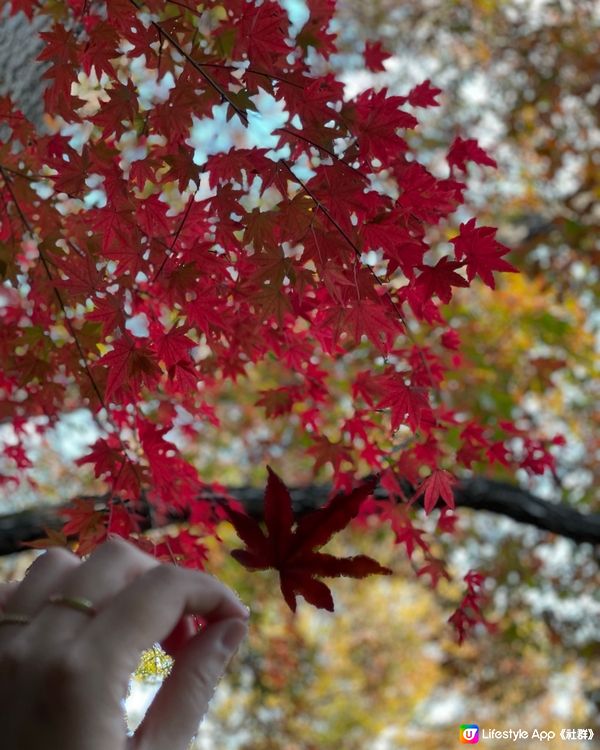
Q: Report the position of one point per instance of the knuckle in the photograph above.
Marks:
(116, 545)
(119, 550)
(165, 575)
(59, 557)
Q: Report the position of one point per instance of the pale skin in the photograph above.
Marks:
(64, 674)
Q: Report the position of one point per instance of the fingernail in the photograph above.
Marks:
(233, 634)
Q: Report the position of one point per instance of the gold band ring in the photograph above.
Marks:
(14, 618)
(79, 603)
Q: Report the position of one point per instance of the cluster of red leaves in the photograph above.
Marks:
(110, 294)
(469, 613)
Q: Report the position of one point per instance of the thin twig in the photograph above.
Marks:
(177, 233)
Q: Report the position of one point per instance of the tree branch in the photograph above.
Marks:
(477, 493)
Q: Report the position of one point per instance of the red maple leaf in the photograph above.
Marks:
(291, 551)
(121, 107)
(375, 56)
(438, 484)
(369, 318)
(101, 48)
(130, 365)
(85, 522)
(483, 253)
(108, 311)
(72, 173)
(278, 401)
(463, 150)
(423, 95)
(25, 6)
(378, 119)
(325, 451)
(112, 464)
(175, 482)
(61, 52)
(182, 167)
(409, 404)
(174, 346)
(262, 34)
(315, 32)
(440, 279)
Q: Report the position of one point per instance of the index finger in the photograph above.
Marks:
(6, 590)
(146, 611)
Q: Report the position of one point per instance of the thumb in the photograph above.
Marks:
(174, 715)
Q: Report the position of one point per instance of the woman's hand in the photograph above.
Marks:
(65, 665)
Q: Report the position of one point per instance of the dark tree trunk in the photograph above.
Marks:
(478, 494)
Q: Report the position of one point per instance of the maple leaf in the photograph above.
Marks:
(87, 523)
(102, 47)
(122, 520)
(483, 253)
(60, 51)
(291, 549)
(423, 95)
(278, 401)
(175, 482)
(129, 365)
(326, 451)
(262, 228)
(262, 34)
(174, 346)
(232, 165)
(115, 224)
(108, 311)
(81, 272)
(408, 256)
(375, 56)
(423, 196)
(151, 216)
(405, 532)
(24, 6)
(185, 549)
(121, 107)
(315, 32)
(340, 192)
(438, 484)
(72, 173)
(182, 167)
(378, 118)
(408, 404)
(53, 538)
(184, 376)
(173, 117)
(463, 150)
(364, 317)
(469, 612)
(440, 279)
(435, 569)
(105, 454)
(111, 463)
